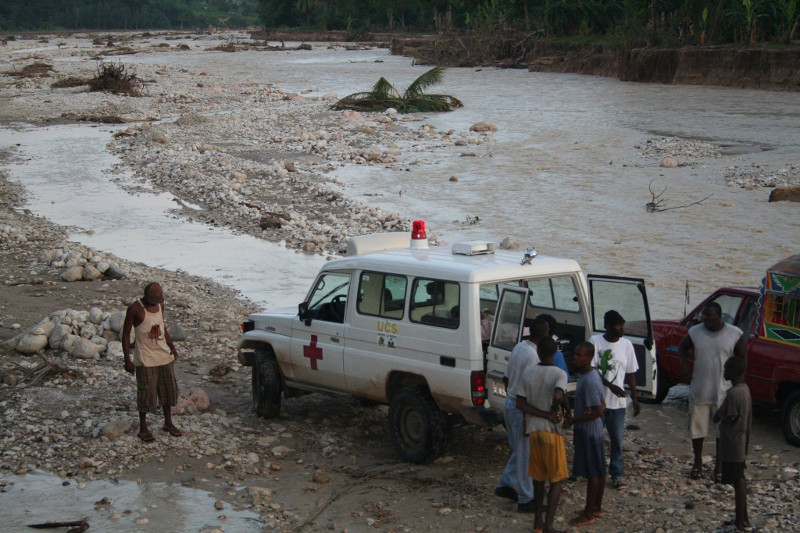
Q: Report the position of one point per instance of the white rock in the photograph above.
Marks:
(58, 335)
(95, 315)
(114, 349)
(29, 344)
(45, 327)
(73, 273)
(117, 320)
(91, 273)
(84, 348)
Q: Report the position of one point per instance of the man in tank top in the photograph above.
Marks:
(714, 342)
(152, 360)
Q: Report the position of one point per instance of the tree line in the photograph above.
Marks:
(24, 15)
(630, 21)
(638, 21)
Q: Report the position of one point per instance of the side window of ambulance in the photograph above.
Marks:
(382, 295)
(435, 303)
(554, 293)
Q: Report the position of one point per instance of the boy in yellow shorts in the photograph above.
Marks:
(541, 397)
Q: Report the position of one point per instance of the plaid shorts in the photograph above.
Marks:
(155, 385)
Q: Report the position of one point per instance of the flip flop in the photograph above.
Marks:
(146, 436)
(696, 473)
(172, 430)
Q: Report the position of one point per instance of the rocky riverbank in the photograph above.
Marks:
(254, 158)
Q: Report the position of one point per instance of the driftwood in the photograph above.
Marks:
(657, 204)
(37, 373)
(77, 526)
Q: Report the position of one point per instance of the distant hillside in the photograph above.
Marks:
(25, 15)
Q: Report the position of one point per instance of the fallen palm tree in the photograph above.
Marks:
(384, 95)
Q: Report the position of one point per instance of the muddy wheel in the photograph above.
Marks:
(790, 416)
(419, 430)
(267, 386)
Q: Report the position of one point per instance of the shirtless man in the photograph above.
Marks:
(152, 360)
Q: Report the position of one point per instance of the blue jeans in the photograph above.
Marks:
(516, 471)
(615, 424)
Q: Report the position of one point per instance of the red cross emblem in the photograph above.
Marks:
(313, 352)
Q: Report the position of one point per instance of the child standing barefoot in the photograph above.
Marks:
(589, 459)
(734, 417)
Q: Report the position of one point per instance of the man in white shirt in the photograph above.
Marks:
(523, 356)
(615, 359)
(714, 342)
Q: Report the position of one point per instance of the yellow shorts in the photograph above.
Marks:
(548, 457)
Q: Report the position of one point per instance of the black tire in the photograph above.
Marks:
(662, 389)
(790, 418)
(419, 430)
(267, 386)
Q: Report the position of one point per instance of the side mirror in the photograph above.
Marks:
(302, 312)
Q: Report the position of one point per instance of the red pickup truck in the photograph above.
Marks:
(773, 350)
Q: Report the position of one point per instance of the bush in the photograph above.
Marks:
(117, 80)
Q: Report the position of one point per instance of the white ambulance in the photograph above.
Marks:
(398, 322)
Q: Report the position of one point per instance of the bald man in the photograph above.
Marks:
(152, 360)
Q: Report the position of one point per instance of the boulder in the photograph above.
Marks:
(117, 320)
(115, 272)
(95, 315)
(90, 273)
(84, 348)
(73, 273)
(58, 335)
(88, 330)
(785, 194)
(45, 327)
(29, 343)
(114, 349)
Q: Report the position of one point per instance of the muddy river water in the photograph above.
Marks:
(564, 174)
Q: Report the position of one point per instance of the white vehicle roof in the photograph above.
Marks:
(441, 263)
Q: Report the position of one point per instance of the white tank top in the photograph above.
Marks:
(151, 342)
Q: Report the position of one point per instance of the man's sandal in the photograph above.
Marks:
(696, 473)
(172, 430)
(146, 436)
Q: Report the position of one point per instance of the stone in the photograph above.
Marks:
(785, 194)
(320, 476)
(84, 348)
(669, 162)
(117, 320)
(74, 273)
(90, 273)
(88, 330)
(58, 335)
(30, 344)
(509, 244)
(483, 127)
(45, 327)
(116, 428)
(261, 495)
(115, 272)
(114, 349)
(95, 315)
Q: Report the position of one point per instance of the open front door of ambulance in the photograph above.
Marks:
(628, 297)
(507, 332)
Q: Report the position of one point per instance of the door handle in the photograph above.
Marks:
(334, 339)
